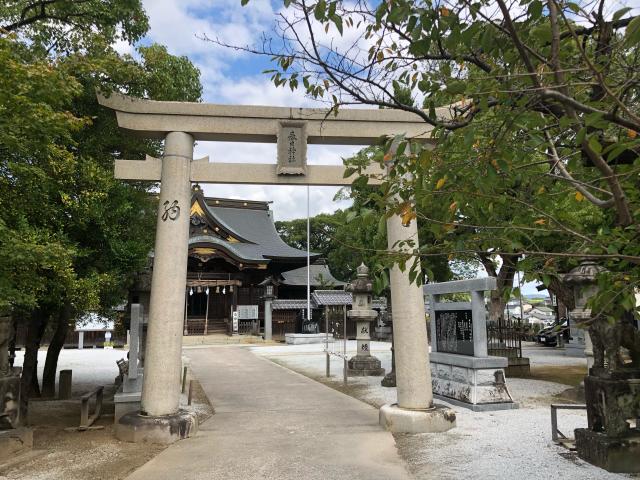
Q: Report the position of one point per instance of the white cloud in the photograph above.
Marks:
(289, 202)
(180, 26)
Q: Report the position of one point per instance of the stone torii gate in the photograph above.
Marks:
(179, 124)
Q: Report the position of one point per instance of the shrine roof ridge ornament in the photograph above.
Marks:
(249, 123)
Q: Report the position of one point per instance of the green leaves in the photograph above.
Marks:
(320, 9)
(632, 34)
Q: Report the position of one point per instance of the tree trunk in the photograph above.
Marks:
(496, 304)
(29, 379)
(53, 352)
(504, 281)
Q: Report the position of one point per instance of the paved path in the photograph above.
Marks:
(271, 423)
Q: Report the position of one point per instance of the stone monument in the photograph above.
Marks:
(14, 439)
(462, 370)
(127, 398)
(363, 364)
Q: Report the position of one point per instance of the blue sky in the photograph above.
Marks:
(234, 77)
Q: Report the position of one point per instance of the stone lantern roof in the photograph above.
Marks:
(362, 283)
(584, 273)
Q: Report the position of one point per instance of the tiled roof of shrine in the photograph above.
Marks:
(243, 229)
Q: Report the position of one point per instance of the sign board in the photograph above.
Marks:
(292, 148)
(454, 331)
(234, 320)
(247, 312)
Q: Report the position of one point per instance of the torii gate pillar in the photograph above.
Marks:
(160, 419)
(415, 411)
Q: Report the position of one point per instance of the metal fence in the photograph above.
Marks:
(504, 338)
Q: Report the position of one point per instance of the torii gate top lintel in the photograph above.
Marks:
(291, 128)
(252, 123)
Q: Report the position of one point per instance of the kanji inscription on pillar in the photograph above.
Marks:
(171, 210)
(292, 148)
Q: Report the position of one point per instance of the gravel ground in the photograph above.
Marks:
(492, 445)
(540, 355)
(91, 366)
(95, 454)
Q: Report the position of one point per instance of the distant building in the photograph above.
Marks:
(541, 315)
(512, 309)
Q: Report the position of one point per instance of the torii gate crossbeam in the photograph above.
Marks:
(182, 123)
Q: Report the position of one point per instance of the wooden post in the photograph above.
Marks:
(64, 385)
(326, 336)
(186, 307)
(206, 315)
(184, 378)
(344, 340)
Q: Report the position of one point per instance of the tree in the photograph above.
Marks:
(554, 87)
(57, 164)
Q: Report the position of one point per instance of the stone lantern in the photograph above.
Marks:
(363, 363)
(582, 281)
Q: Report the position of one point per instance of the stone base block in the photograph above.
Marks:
(399, 420)
(137, 428)
(368, 366)
(15, 442)
(125, 403)
(389, 379)
(304, 338)
(470, 381)
(478, 407)
(518, 367)
(618, 455)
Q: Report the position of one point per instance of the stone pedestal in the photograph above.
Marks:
(618, 455)
(518, 367)
(470, 382)
(610, 443)
(364, 366)
(163, 429)
(127, 398)
(400, 420)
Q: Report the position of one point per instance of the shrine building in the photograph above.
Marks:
(234, 249)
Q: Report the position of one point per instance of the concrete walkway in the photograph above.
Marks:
(271, 423)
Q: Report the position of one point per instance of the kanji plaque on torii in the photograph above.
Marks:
(180, 124)
(292, 148)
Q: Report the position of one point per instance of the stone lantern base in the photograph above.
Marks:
(368, 366)
(610, 442)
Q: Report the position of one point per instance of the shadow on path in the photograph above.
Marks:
(272, 423)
